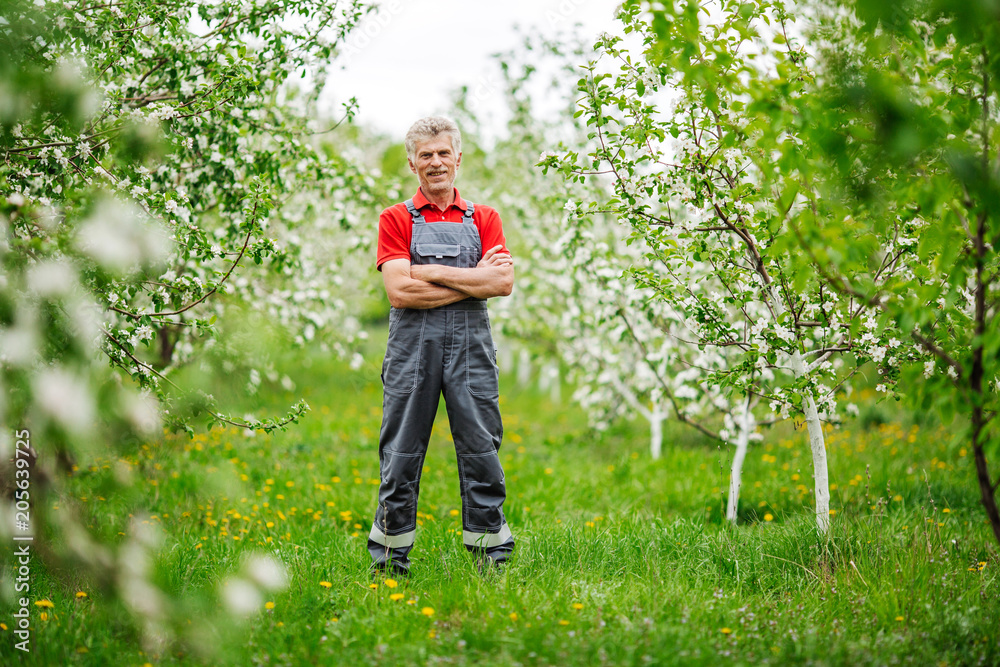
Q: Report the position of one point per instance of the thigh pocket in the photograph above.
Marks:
(481, 372)
(402, 353)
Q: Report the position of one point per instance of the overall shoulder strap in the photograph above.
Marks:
(414, 213)
(469, 211)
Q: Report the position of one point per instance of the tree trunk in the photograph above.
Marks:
(736, 472)
(987, 491)
(523, 368)
(820, 475)
(168, 341)
(549, 380)
(656, 417)
(817, 445)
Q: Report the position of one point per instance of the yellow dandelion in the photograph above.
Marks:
(768, 517)
(325, 584)
(427, 611)
(832, 512)
(548, 471)
(373, 586)
(3, 626)
(513, 617)
(269, 605)
(390, 583)
(453, 512)
(44, 603)
(432, 634)
(80, 594)
(411, 601)
(946, 510)
(578, 605)
(396, 597)
(726, 631)
(589, 524)
(335, 620)
(563, 622)
(897, 498)
(44, 616)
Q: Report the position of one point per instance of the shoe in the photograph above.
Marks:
(487, 566)
(390, 568)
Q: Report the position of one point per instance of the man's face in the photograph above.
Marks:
(435, 164)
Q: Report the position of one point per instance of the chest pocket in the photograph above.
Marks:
(438, 250)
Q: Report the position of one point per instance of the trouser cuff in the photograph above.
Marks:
(497, 546)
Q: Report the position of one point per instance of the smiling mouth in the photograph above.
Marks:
(437, 173)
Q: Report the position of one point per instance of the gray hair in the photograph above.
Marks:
(428, 128)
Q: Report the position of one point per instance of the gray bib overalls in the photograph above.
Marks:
(447, 350)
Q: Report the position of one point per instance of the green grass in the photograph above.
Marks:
(620, 559)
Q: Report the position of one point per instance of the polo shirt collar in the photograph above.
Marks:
(419, 201)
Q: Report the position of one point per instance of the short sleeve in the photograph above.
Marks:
(393, 237)
(491, 230)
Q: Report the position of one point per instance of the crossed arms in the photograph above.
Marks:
(433, 285)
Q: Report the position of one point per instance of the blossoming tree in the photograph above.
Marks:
(902, 118)
(666, 112)
(158, 163)
(628, 353)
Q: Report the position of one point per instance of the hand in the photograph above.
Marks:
(493, 257)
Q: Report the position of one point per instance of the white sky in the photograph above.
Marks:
(403, 62)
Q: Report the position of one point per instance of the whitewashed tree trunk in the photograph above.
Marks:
(549, 380)
(656, 417)
(822, 479)
(505, 358)
(817, 445)
(736, 471)
(523, 368)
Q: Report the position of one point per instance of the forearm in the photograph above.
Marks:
(481, 282)
(421, 294)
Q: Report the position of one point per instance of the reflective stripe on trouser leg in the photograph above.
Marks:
(471, 391)
(390, 548)
(487, 540)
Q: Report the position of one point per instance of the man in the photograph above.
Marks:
(441, 257)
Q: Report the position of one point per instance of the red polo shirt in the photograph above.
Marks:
(395, 226)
